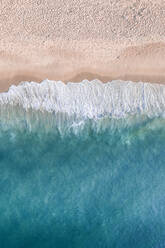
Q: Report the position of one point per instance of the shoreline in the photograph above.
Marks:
(6, 83)
(135, 63)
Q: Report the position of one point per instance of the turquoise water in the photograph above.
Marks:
(94, 188)
(82, 166)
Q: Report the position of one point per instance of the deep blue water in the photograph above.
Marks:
(95, 188)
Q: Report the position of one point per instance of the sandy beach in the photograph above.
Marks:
(75, 40)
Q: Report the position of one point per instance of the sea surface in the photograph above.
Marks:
(82, 165)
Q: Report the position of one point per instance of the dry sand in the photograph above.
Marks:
(71, 40)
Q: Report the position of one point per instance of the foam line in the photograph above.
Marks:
(88, 99)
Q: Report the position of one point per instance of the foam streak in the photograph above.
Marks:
(89, 99)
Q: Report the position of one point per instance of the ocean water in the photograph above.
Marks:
(82, 165)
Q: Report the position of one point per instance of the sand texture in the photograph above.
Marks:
(71, 40)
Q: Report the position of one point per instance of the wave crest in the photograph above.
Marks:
(88, 99)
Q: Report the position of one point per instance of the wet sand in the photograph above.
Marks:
(76, 40)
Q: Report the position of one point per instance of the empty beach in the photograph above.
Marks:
(76, 40)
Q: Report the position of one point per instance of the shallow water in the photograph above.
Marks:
(69, 181)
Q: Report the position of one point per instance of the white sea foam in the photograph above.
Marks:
(89, 99)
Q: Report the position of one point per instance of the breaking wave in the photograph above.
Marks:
(74, 104)
(91, 99)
